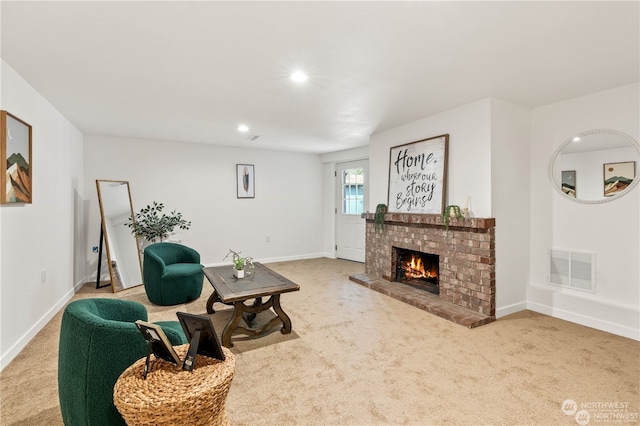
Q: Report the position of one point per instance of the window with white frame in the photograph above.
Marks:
(353, 191)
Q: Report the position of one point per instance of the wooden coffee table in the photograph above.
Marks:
(230, 290)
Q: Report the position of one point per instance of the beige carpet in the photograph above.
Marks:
(358, 357)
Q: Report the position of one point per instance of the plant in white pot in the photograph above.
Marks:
(151, 224)
(241, 264)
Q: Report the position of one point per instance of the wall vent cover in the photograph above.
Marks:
(573, 269)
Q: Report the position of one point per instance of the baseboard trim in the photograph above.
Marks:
(277, 259)
(511, 309)
(14, 350)
(598, 324)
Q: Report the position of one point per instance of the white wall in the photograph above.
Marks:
(611, 229)
(41, 236)
(510, 181)
(469, 156)
(200, 182)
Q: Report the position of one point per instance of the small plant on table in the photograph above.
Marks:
(239, 263)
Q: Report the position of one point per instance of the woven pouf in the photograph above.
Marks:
(172, 396)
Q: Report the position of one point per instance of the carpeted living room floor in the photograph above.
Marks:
(358, 357)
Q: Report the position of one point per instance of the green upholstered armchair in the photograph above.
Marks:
(172, 273)
(98, 341)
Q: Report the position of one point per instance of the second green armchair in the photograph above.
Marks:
(98, 341)
(172, 273)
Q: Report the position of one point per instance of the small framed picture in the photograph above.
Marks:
(158, 344)
(16, 169)
(618, 176)
(245, 177)
(569, 183)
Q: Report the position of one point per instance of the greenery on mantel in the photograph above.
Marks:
(378, 217)
(151, 224)
(451, 211)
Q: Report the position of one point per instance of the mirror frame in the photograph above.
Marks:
(558, 187)
(106, 238)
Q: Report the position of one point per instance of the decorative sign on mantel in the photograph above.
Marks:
(418, 176)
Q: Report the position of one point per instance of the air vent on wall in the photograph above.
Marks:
(572, 269)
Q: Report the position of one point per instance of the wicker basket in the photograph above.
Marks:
(172, 396)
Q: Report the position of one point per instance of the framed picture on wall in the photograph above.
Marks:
(618, 176)
(418, 176)
(245, 177)
(569, 183)
(15, 158)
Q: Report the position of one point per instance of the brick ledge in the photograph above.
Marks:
(429, 220)
(425, 301)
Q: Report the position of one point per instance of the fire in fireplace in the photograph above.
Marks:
(417, 269)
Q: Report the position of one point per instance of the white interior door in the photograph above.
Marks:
(351, 180)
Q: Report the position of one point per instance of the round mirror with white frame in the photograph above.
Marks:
(596, 166)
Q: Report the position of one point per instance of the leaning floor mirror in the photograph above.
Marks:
(123, 255)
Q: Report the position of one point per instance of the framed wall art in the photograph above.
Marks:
(569, 183)
(245, 176)
(618, 176)
(418, 176)
(16, 169)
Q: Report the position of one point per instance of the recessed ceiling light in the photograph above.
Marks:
(576, 139)
(299, 77)
(243, 128)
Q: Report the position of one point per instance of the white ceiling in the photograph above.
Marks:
(192, 71)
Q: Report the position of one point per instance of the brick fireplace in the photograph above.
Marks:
(466, 264)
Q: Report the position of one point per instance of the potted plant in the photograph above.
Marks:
(378, 217)
(239, 263)
(451, 211)
(151, 224)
